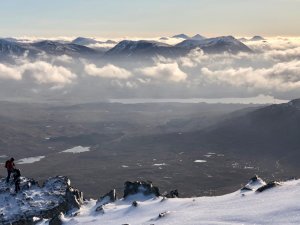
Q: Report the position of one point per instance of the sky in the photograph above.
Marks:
(136, 18)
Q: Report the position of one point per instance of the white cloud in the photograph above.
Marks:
(273, 69)
(166, 71)
(280, 77)
(63, 59)
(46, 73)
(194, 58)
(108, 71)
(10, 73)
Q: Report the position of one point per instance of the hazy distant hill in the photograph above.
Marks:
(269, 133)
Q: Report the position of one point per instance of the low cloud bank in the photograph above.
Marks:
(273, 69)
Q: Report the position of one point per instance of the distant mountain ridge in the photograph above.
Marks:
(8, 48)
(90, 41)
(151, 48)
(216, 45)
(143, 48)
(81, 47)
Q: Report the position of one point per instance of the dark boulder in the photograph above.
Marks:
(99, 209)
(146, 188)
(163, 214)
(134, 204)
(56, 220)
(254, 179)
(173, 194)
(268, 186)
(108, 198)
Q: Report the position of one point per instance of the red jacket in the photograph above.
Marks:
(9, 165)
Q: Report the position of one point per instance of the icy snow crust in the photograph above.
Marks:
(278, 205)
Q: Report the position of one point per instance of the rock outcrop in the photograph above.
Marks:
(173, 194)
(253, 184)
(269, 185)
(140, 187)
(48, 201)
(107, 198)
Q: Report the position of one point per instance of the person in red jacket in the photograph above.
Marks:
(10, 166)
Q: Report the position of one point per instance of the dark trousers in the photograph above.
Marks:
(8, 175)
(17, 185)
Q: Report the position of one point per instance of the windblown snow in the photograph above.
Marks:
(278, 205)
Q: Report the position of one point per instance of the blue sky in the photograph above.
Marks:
(119, 18)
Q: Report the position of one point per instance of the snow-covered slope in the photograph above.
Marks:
(14, 48)
(146, 48)
(57, 48)
(129, 48)
(56, 202)
(10, 47)
(256, 203)
(216, 45)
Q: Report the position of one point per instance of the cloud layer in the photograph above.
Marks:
(273, 69)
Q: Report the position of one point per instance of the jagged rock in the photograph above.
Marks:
(253, 184)
(74, 198)
(134, 204)
(55, 196)
(56, 220)
(108, 198)
(269, 185)
(173, 194)
(254, 179)
(146, 188)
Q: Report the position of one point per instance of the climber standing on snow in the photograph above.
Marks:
(10, 166)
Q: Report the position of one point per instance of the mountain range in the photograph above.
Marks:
(82, 47)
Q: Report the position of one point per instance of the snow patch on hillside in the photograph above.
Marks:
(200, 161)
(77, 149)
(30, 160)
